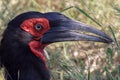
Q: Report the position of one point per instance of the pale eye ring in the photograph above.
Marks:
(38, 27)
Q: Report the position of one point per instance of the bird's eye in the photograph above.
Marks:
(38, 27)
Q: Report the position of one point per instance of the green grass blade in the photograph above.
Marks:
(82, 11)
(114, 36)
(67, 8)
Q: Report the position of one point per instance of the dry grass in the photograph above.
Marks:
(76, 60)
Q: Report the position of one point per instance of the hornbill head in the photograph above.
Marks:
(36, 30)
(46, 28)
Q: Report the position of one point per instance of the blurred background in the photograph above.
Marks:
(76, 60)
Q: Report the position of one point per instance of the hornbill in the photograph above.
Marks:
(21, 48)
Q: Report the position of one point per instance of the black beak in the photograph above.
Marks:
(65, 29)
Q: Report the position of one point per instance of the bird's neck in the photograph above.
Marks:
(21, 61)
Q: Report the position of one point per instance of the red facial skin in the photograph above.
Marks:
(35, 45)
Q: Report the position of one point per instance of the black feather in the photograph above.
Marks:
(15, 54)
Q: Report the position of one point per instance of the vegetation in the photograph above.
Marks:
(76, 60)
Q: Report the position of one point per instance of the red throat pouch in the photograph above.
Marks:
(37, 49)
